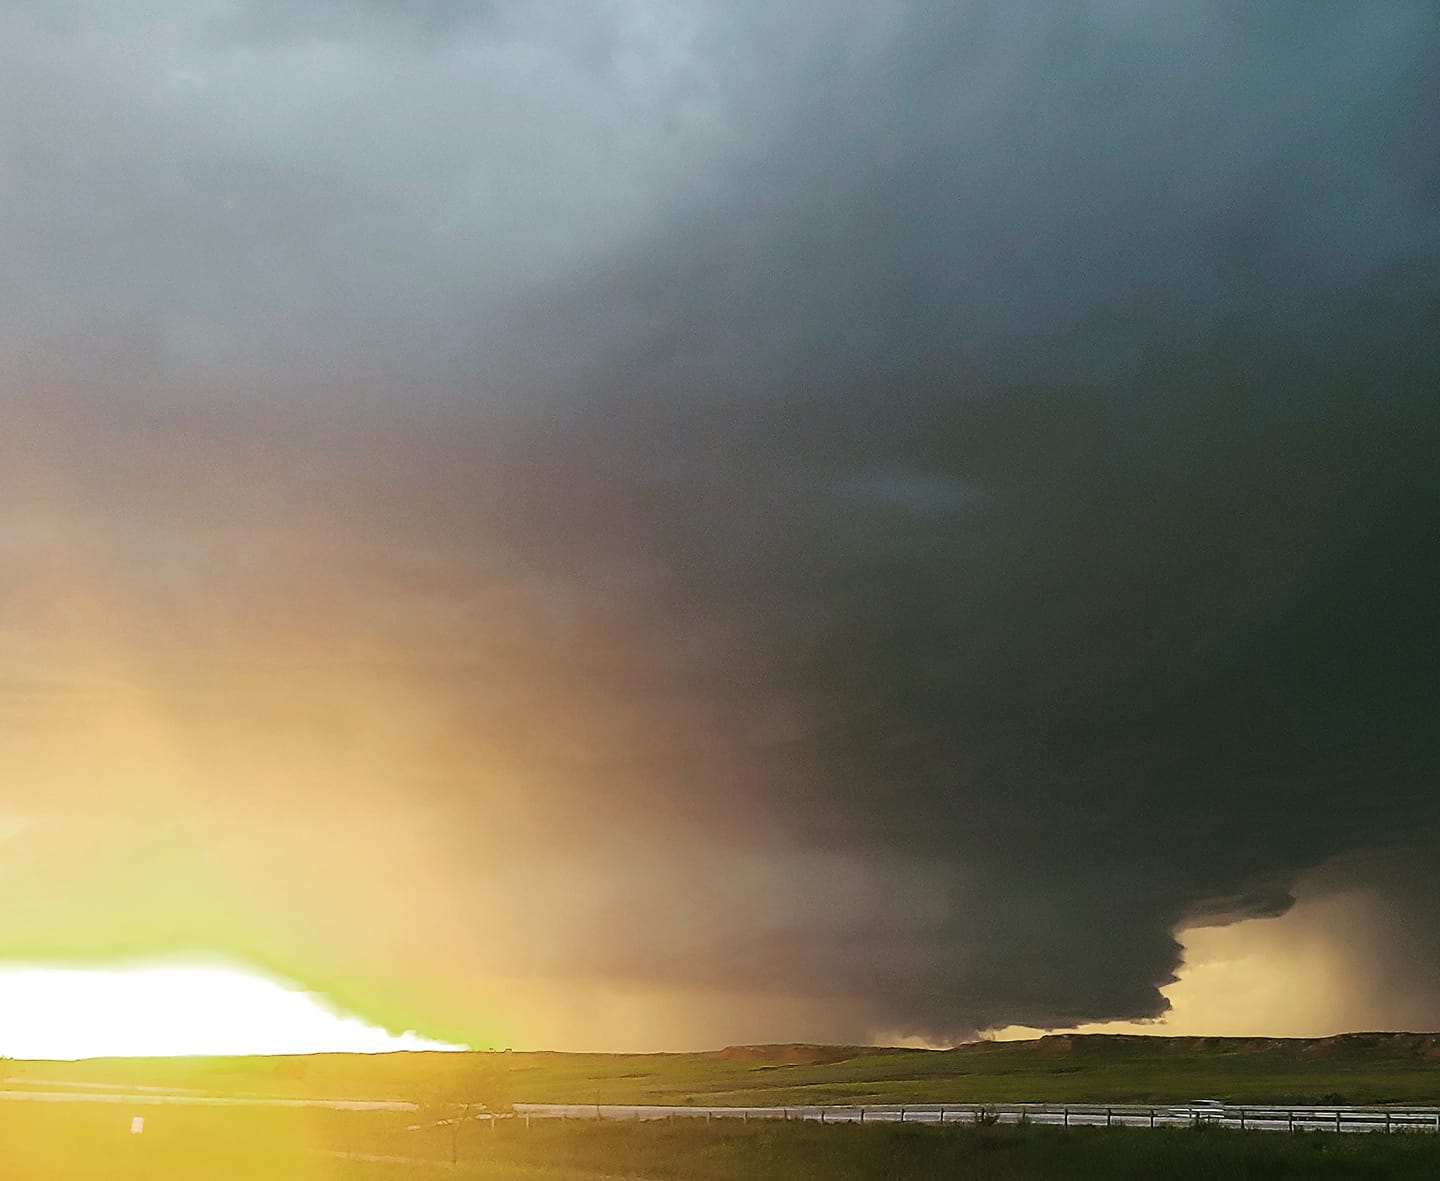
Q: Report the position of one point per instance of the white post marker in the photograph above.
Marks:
(137, 1125)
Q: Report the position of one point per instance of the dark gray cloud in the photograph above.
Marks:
(894, 506)
(266, 22)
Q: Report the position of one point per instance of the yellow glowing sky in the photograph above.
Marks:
(167, 1009)
(1318, 970)
(1306, 974)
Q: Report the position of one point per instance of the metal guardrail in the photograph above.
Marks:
(1257, 1117)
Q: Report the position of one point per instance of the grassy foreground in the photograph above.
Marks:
(800, 1152)
(1351, 1068)
(84, 1142)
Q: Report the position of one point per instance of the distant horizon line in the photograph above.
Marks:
(874, 1048)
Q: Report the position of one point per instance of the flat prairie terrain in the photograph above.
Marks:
(1352, 1068)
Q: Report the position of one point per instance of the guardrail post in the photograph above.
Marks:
(1152, 1117)
(1107, 1117)
(1242, 1119)
(1290, 1120)
(1066, 1110)
(1387, 1121)
(1337, 1119)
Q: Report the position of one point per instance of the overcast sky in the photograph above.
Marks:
(644, 525)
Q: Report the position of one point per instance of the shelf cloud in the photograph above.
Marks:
(826, 521)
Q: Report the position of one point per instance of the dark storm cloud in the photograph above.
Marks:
(909, 503)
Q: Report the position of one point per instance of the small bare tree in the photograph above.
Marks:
(477, 1094)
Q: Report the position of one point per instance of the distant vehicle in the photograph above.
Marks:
(1204, 1110)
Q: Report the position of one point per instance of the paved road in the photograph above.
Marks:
(1259, 1118)
(150, 1097)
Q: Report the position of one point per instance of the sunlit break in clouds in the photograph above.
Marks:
(161, 1011)
(658, 525)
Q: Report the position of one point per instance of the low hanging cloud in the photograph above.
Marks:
(845, 520)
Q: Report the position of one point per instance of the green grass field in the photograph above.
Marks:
(1353, 1068)
(92, 1142)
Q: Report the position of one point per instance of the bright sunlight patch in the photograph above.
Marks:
(154, 1011)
